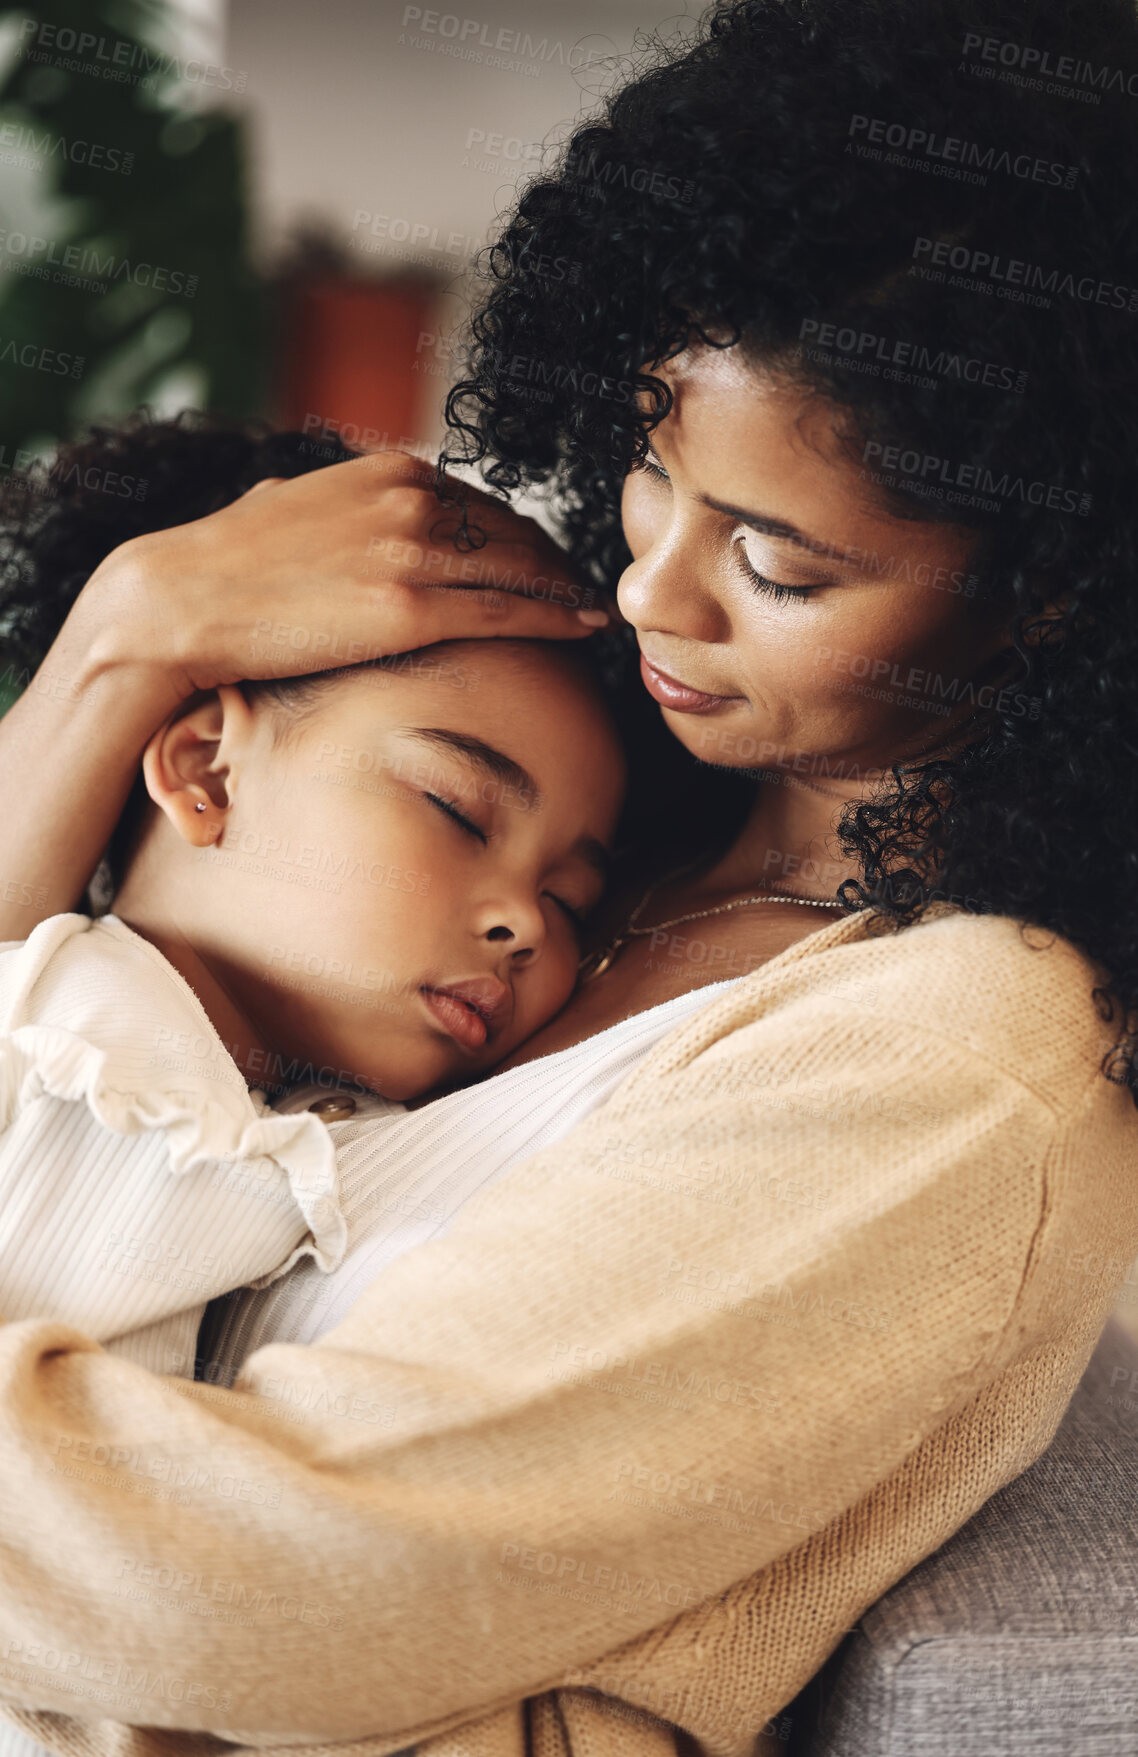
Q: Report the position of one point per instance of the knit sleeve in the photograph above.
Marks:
(749, 1284)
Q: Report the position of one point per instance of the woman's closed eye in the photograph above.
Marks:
(775, 588)
(651, 466)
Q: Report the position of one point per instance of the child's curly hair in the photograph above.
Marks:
(59, 520)
(723, 189)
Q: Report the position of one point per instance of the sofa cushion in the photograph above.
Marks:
(1020, 1635)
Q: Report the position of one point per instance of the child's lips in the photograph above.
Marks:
(471, 1011)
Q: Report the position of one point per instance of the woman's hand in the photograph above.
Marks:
(347, 563)
(331, 568)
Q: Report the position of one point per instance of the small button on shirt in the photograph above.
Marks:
(335, 1109)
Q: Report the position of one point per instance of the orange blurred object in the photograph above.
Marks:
(350, 354)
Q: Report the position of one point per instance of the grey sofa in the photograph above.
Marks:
(1020, 1637)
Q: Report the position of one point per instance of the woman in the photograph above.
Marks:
(629, 1446)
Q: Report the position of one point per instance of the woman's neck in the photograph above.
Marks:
(788, 840)
(786, 843)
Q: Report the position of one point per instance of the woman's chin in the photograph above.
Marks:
(722, 738)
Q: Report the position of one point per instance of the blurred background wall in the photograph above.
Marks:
(267, 206)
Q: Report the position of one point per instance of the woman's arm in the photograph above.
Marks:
(448, 1481)
(69, 750)
(346, 563)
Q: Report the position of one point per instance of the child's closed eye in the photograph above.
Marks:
(575, 916)
(451, 811)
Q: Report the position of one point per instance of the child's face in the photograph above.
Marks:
(393, 891)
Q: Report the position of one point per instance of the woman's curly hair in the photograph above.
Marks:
(731, 191)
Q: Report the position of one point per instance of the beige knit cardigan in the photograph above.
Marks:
(632, 1445)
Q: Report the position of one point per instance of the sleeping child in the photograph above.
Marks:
(373, 879)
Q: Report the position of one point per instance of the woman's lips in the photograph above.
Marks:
(679, 696)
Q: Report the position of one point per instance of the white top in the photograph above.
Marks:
(404, 1176)
(139, 1177)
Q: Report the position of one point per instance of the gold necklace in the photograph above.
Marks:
(598, 962)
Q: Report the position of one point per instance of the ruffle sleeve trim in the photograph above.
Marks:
(200, 1128)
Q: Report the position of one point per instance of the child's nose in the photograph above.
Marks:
(520, 931)
(520, 954)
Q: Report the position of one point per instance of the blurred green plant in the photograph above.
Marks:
(125, 276)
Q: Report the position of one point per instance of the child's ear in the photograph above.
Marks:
(188, 764)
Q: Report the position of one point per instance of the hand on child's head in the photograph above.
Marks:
(352, 847)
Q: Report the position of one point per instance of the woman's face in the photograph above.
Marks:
(878, 641)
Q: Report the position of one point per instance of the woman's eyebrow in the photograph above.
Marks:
(492, 763)
(771, 527)
(767, 526)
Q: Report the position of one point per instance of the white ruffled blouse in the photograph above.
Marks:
(139, 1176)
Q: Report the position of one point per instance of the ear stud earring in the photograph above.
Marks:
(200, 805)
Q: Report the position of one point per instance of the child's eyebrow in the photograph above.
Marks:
(495, 764)
(594, 854)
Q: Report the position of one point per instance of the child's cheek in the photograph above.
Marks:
(560, 981)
